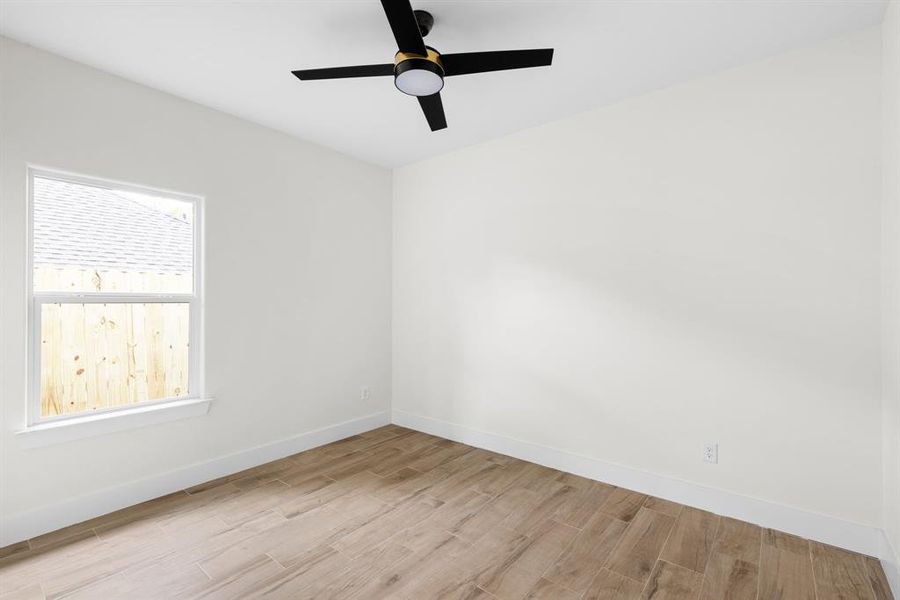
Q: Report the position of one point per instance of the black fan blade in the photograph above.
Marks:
(482, 62)
(344, 72)
(434, 111)
(404, 25)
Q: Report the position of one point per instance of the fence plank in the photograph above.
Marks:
(96, 356)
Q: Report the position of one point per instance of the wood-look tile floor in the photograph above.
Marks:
(396, 513)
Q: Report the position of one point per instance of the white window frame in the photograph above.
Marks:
(37, 299)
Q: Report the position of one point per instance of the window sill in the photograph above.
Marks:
(57, 432)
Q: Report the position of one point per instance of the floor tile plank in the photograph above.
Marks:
(732, 570)
(839, 574)
(623, 504)
(664, 506)
(32, 592)
(692, 539)
(880, 586)
(785, 568)
(14, 549)
(547, 590)
(431, 555)
(608, 585)
(579, 563)
(729, 577)
(641, 545)
(521, 569)
(739, 540)
(672, 582)
(590, 497)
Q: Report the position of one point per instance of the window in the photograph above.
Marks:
(115, 315)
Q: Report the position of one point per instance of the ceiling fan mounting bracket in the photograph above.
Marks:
(432, 56)
(425, 20)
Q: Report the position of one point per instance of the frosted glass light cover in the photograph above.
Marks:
(419, 82)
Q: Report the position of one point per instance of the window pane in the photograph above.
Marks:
(98, 356)
(93, 239)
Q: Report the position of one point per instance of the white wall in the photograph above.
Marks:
(699, 264)
(297, 271)
(891, 278)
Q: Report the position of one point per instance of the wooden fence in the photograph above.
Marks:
(96, 356)
(48, 278)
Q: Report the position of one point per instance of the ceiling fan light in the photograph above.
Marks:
(418, 77)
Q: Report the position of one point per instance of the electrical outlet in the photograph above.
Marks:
(711, 453)
(363, 393)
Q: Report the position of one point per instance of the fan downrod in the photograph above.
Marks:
(425, 20)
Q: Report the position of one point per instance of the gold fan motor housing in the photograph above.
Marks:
(432, 56)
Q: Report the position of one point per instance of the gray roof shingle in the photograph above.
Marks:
(78, 225)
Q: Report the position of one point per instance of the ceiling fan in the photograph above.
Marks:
(419, 70)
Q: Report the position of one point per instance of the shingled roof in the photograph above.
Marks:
(83, 226)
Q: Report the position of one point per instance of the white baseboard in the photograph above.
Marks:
(890, 561)
(829, 530)
(28, 524)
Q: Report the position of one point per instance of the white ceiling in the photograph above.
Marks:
(237, 56)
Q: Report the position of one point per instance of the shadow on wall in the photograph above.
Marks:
(594, 339)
